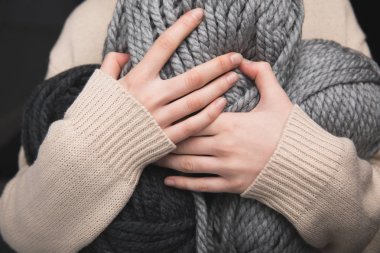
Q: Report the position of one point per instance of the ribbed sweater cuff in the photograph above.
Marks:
(117, 126)
(305, 160)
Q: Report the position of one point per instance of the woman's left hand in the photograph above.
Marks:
(236, 146)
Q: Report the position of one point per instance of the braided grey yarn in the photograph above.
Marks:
(337, 87)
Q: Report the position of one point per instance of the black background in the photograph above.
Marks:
(29, 29)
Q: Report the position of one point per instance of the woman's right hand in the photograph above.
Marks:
(171, 100)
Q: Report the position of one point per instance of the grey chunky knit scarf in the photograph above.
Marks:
(337, 87)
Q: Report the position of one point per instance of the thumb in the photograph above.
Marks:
(266, 81)
(113, 63)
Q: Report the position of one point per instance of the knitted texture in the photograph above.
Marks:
(337, 87)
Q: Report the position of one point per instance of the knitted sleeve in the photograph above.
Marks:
(317, 181)
(86, 170)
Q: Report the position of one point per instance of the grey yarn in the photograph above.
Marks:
(337, 87)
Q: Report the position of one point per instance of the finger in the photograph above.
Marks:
(196, 123)
(214, 128)
(202, 184)
(261, 72)
(113, 64)
(164, 47)
(210, 130)
(196, 146)
(203, 74)
(191, 164)
(197, 100)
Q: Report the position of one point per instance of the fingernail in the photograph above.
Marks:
(232, 77)
(236, 59)
(169, 182)
(197, 13)
(221, 102)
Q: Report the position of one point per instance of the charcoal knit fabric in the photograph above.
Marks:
(336, 86)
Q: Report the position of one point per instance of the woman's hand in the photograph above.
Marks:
(236, 146)
(171, 100)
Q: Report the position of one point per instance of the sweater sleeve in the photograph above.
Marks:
(85, 172)
(317, 181)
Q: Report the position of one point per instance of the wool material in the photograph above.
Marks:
(336, 86)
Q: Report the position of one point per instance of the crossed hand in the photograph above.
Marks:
(234, 147)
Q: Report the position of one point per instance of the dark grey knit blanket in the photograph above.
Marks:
(337, 87)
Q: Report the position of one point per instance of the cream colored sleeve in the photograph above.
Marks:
(315, 179)
(85, 172)
(318, 182)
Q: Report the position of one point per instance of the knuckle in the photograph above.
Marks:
(224, 63)
(148, 99)
(224, 85)
(161, 116)
(193, 79)
(211, 114)
(193, 104)
(165, 42)
(154, 93)
(187, 165)
(264, 66)
(202, 187)
(166, 95)
(161, 97)
(188, 128)
(221, 150)
(226, 148)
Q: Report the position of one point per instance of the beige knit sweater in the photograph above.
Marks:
(89, 164)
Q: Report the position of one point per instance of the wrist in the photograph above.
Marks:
(116, 126)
